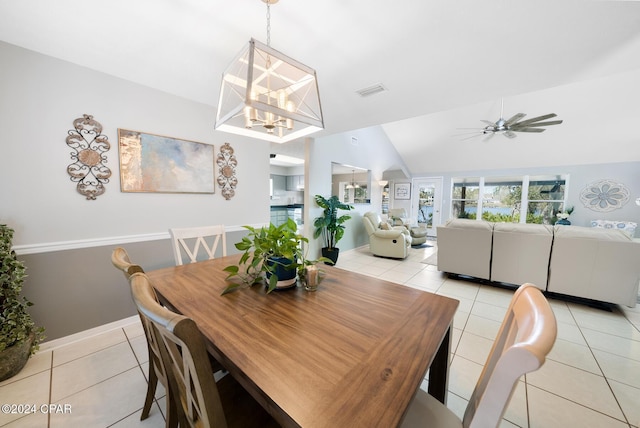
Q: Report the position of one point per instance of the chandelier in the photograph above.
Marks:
(353, 184)
(268, 95)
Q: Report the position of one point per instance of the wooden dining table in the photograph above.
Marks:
(351, 354)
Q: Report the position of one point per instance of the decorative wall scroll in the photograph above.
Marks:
(90, 146)
(152, 163)
(227, 171)
(604, 196)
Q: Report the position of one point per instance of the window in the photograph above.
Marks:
(516, 199)
(545, 199)
(502, 199)
(465, 197)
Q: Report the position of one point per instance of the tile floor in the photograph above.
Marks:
(591, 378)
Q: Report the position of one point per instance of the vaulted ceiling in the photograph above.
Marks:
(446, 65)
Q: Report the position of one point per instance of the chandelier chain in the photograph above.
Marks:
(268, 24)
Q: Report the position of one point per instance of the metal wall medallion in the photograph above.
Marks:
(88, 168)
(227, 163)
(604, 196)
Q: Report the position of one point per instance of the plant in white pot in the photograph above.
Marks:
(330, 226)
(19, 337)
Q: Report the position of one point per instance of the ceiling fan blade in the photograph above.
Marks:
(536, 119)
(528, 130)
(488, 122)
(509, 134)
(473, 136)
(516, 117)
(489, 136)
(551, 122)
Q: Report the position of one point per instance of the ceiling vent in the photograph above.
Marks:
(371, 90)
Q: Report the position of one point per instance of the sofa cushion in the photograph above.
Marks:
(463, 223)
(536, 229)
(591, 233)
(521, 253)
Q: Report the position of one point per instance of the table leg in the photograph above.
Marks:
(439, 370)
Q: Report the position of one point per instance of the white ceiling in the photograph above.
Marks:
(446, 64)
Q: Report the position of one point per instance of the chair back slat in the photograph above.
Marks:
(192, 240)
(526, 336)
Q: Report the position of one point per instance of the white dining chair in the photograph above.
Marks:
(191, 240)
(526, 336)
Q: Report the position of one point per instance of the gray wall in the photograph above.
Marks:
(77, 289)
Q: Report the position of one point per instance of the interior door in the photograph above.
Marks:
(427, 202)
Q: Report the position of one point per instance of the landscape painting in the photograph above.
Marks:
(153, 163)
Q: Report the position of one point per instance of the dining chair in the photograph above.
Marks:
(200, 400)
(190, 239)
(526, 336)
(120, 259)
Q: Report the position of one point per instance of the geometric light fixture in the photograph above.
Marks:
(268, 95)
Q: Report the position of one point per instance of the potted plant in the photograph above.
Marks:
(19, 337)
(275, 252)
(563, 217)
(330, 226)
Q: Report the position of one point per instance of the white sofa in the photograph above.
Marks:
(597, 264)
(464, 247)
(521, 253)
(590, 263)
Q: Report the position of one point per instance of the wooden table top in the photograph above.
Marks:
(352, 353)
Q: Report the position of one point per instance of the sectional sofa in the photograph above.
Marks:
(590, 263)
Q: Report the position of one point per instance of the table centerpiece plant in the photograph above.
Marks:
(274, 253)
(19, 336)
(330, 226)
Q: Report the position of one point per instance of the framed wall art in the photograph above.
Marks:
(402, 191)
(153, 163)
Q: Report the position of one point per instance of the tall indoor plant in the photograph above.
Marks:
(19, 337)
(329, 225)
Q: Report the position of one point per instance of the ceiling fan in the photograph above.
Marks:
(509, 127)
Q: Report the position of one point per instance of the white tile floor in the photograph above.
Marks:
(591, 378)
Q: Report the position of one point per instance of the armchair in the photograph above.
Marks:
(418, 234)
(393, 242)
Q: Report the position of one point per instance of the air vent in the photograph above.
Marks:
(371, 90)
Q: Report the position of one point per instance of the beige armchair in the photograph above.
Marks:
(393, 242)
(418, 233)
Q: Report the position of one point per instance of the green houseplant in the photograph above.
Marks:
(19, 337)
(275, 252)
(330, 226)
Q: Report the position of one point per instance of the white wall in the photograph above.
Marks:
(373, 151)
(41, 96)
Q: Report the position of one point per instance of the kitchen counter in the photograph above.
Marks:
(280, 213)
